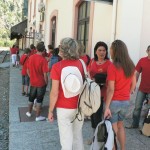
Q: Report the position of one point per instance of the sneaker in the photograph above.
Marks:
(131, 127)
(40, 118)
(28, 114)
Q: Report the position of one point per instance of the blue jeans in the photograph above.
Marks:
(140, 97)
(118, 110)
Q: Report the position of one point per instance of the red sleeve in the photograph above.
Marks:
(55, 72)
(45, 66)
(138, 67)
(28, 64)
(22, 59)
(111, 73)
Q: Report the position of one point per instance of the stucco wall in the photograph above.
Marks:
(145, 33)
(132, 26)
(129, 23)
(101, 24)
(64, 22)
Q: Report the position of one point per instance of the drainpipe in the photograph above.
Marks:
(114, 20)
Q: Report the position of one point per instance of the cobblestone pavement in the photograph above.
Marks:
(45, 135)
(4, 108)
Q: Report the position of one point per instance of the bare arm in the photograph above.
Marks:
(28, 72)
(109, 95)
(53, 98)
(46, 78)
(137, 76)
(133, 83)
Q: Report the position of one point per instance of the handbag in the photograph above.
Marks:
(100, 79)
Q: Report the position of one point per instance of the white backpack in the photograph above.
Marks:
(104, 137)
(90, 96)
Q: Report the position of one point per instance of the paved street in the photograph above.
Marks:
(44, 135)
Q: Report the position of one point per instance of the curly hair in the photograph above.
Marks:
(69, 48)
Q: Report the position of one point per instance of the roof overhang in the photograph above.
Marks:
(18, 30)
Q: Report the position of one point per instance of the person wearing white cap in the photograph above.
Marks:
(67, 81)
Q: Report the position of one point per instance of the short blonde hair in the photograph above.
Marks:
(69, 48)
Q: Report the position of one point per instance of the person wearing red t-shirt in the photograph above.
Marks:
(121, 83)
(33, 49)
(97, 67)
(66, 107)
(82, 54)
(50, 50)
(143, 68)
(13, 52)
(25, 78)
(37, 70)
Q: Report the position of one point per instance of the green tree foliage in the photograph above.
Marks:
(10, 15)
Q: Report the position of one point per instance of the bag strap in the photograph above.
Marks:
(84, 67)
(24, 60)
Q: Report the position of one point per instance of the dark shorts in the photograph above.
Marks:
(96, 118)
(25, 80)
(38, 93)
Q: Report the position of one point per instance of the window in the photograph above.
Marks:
(53, 33)
(83, 23)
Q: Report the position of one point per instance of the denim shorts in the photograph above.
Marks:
(118, 110)
(25, 80)
(38, 93)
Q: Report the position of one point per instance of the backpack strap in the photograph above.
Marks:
(24, 60)
(79, 113)
(84, 67)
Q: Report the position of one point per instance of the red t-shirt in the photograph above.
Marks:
(143, 67)
(33, 51)
(122, 84)
(49, 54)
(24, 61)
(62, 102)
(44, 54)
(85, 58)
(94, 68)
(37, 66)
(13, 50)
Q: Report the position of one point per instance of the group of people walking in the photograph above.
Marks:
(121, 77)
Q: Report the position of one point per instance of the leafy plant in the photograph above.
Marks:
(10, 15)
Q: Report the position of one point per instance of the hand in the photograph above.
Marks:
(50, 117)
(107, 113)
